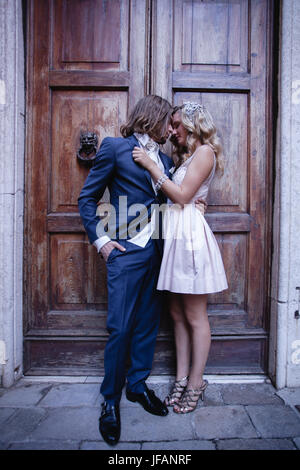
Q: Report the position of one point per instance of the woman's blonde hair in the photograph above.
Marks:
(151, 115)
(199, 123)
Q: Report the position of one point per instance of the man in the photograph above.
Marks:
(133, 262)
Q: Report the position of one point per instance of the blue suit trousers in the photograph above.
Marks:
(134, 308)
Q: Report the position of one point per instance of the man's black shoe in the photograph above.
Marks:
(149, 401)
(110, 423)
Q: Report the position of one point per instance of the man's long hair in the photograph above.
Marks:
(151, 115)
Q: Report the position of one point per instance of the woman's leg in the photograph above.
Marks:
(182, 336)
(195, 310)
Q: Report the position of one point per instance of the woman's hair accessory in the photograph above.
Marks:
(191, 107)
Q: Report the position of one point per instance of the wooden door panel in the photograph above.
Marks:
(89, 62)
(230, 113)
(78, 275)
(84, 356)
(217, 56)
(233, 247)
(102, 19)
(69, 260)
(72, 262)
(86, 66)
(75, 112)
(91, 34)
(211, 35)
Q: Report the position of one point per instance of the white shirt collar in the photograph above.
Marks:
(151, 147)
(144, 139)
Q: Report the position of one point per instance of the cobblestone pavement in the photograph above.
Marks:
(37, 414)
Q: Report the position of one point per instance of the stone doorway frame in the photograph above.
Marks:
(284, 344)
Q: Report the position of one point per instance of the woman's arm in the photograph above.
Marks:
(197, 172)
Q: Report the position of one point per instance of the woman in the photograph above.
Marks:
(192, 266)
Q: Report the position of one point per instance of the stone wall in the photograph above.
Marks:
(12, 91)
(285, 326)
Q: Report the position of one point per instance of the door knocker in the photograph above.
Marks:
(88, 148)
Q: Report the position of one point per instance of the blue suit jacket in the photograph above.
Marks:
(115, 168)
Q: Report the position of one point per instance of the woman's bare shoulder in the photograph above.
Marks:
(204, 154)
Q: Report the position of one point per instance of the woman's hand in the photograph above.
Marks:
(201, 205)
(142, 158)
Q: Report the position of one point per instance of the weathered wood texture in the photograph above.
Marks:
(218, 56)
(87, 63)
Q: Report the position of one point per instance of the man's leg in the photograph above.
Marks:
(145, 328)
(142, 345)
(125, 280)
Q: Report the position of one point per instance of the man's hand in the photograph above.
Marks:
(201, 205)
(108, 247)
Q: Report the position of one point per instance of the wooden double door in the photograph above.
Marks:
(88, 62)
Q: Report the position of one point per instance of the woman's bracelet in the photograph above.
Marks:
(160, 182)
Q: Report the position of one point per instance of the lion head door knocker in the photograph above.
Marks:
(88, 148)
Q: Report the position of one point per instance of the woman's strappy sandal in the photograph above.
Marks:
(190, 398)
(177, 391)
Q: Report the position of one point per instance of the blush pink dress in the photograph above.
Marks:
(192, 262)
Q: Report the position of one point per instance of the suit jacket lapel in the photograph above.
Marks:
(133, 142)
(148, 178)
